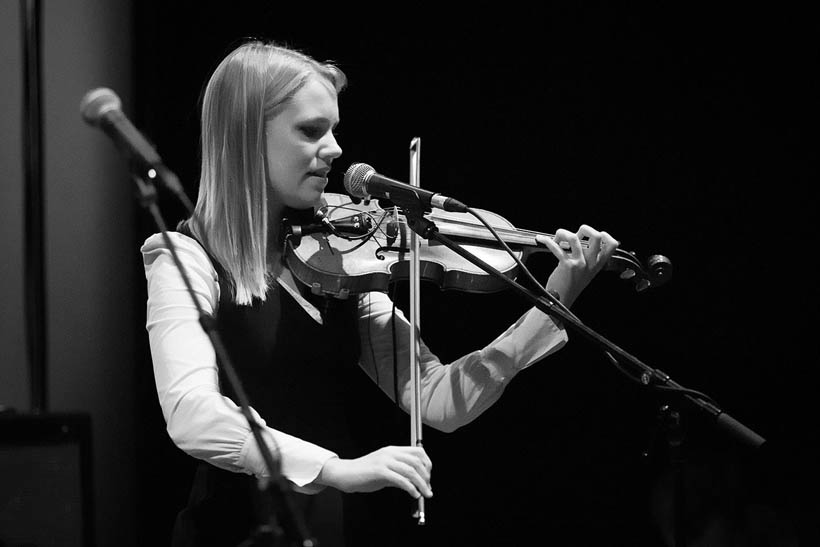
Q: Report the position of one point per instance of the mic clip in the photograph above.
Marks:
(345, 228)
(294, 233)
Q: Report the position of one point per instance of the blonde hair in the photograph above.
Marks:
(249, 87)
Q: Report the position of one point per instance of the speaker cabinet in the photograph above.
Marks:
(45, 480)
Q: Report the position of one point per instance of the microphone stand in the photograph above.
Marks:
(279, 521)
(650, 377)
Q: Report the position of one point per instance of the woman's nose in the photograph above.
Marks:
(331, 150)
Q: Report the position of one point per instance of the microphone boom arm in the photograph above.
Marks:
(649, 376)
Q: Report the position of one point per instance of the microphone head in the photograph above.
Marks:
(97, 103)
(356, 178)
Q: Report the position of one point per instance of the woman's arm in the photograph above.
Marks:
(454, 394)
(200, 420)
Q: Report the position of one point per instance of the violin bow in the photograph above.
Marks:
(415, 326)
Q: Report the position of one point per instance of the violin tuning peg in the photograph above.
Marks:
(642, 285)
(628, 273)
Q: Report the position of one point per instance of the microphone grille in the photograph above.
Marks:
(355, 180)
(97, 103)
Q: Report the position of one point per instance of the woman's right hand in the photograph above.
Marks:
(404, 467)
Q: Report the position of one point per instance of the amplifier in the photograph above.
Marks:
(45, 480)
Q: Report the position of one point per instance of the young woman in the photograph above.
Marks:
(268, 144)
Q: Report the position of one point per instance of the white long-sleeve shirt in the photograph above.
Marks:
(209, 426)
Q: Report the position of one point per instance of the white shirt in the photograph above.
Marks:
(209, 426)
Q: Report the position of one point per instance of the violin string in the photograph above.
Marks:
(378, 221)
(448, 218)
(531, 233)
(501, 229)
(381, 219)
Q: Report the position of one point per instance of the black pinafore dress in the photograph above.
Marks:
(304, 379)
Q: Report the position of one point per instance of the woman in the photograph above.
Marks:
(267, 146)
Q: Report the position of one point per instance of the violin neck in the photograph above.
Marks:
(478, 233)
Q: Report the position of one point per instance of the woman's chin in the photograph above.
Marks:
(312, 200)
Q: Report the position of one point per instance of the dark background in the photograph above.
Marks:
(681, 131)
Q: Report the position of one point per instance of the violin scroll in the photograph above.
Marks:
(658, 269)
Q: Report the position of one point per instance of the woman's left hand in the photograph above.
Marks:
(577, 264)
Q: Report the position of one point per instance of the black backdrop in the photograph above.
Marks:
(680, 131)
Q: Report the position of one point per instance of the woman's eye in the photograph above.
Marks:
(312, 132)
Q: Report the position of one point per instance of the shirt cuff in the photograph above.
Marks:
(534, 336)
(300, 461)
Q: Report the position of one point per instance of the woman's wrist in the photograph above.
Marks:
(328, 472)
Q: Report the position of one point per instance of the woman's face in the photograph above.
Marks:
(300, 145)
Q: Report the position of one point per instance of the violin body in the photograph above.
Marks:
(366, 248)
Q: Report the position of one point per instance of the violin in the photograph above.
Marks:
(361, 247)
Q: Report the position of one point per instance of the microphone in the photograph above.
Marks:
(362, 181)
(102, 108)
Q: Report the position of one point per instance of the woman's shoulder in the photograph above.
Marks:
(188, 249)
(161, 270)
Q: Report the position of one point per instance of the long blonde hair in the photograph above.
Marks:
(249, 87)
